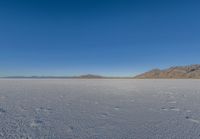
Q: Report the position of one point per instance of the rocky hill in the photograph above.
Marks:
(90, 76)
(179, 72)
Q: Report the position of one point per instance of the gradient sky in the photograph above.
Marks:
(108, 37)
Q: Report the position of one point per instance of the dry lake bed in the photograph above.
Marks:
(99, 109)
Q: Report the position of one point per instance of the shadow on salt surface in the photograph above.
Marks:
(174, 109)
(117, 108)
(36, 123)
(192, 120)
(2, 110)
(164, 109)
(170, 108)
(104, 115)
(178, 110)
(70, 129)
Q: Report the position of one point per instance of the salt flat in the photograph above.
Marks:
(99, 109)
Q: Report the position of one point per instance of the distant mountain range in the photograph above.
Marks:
(87, 76)
(178, 72)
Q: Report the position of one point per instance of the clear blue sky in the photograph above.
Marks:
(108, 37)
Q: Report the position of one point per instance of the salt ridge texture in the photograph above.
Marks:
(99, 109)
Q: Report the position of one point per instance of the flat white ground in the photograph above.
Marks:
(99, 109)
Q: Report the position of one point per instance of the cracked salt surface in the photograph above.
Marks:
(100, 109)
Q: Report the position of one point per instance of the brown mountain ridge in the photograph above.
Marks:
(178, 72)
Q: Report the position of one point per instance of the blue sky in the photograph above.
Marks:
(108, 37)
